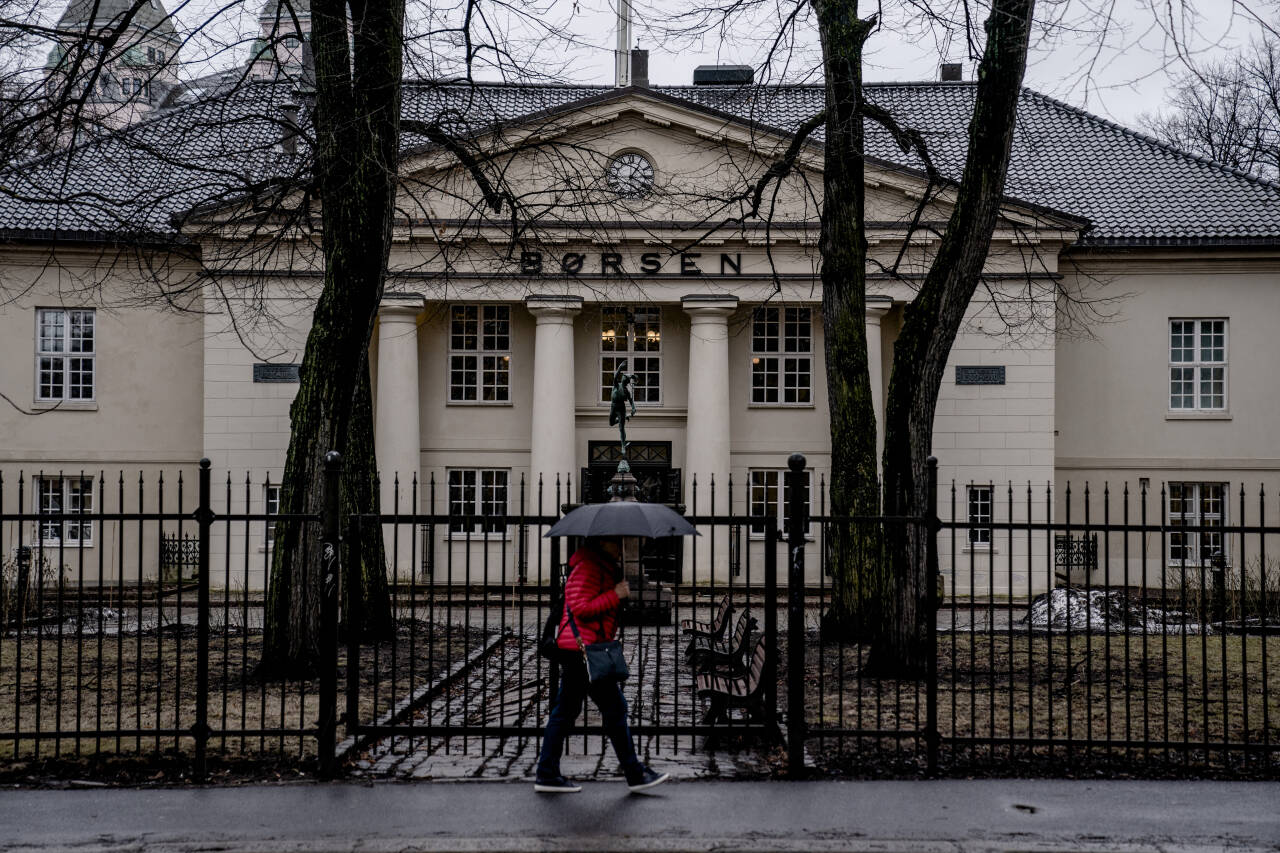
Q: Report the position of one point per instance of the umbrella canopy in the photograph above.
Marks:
(623, 518)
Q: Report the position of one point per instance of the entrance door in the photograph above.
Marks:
(656, 482)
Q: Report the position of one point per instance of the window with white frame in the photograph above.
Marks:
(1202, 505)
(768, 493)
(480, 354)
(271, 506)
(1197, 365)
(70, 496)
(781, 356)
(66, 354)
(632, 338)
(478, 500)
(980, 509)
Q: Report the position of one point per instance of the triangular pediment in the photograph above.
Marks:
(706, 166)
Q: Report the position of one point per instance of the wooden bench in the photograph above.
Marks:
(721, 692)
(728, 658)
(713, 630)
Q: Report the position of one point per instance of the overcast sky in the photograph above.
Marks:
(1112, 57)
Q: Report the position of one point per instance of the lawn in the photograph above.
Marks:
(1093, 692)
(144, 682)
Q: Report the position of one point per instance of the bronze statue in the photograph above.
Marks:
(618, 400)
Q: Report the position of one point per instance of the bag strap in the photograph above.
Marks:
(574, 625)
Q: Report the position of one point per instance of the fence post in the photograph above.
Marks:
(553, 672)
(771, 622)
(204, 519)
(330, 549)
(351, 615)
(932, 526)
(797, 511)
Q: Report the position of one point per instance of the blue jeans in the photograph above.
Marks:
(607, 696)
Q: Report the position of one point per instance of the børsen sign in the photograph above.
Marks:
(613, 263)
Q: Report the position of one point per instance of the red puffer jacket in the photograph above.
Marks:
(589, 592)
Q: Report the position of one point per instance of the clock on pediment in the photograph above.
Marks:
(630, 175)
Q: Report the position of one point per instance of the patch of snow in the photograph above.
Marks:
(1107, 610)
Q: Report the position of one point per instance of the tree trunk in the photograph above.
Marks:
(358, 59)
(853, 551)
(931, 323)
(360, 495)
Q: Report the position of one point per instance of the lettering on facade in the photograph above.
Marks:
(613, 263)
(979, 375)
(275, 373)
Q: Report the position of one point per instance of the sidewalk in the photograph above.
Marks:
(987, 815)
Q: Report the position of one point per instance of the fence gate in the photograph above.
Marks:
(471, 587)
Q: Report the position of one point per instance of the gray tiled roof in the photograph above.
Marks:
(1133, 189)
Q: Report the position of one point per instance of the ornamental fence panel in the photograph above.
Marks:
(1112, 628)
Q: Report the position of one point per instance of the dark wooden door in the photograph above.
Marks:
(656, 482)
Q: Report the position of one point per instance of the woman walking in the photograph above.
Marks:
(593, 593)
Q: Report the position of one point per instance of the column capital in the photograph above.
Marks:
(401, 305)
(709, 305)
(877, 306)
(553, 308)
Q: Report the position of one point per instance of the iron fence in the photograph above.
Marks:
(1087, 626)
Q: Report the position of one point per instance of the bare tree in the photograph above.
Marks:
(1228, 111)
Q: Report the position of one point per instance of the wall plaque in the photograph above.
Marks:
(275, 373)
(980, 375)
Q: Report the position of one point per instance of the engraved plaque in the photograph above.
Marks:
(275, 373)
(980, 375)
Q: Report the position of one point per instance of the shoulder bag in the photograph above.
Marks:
(604, 660)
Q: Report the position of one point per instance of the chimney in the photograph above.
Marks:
(951, 72)
(723, 75)
(289, 141)
(640, 68)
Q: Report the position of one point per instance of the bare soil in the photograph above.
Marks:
(140, 690)
(998, 695)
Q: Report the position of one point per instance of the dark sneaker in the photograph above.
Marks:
(645, 780)
(557, 785)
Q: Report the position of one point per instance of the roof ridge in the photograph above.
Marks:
(1147, 139)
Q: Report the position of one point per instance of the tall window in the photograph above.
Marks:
(271, 506)
(65, 354)
(1197, 365)
(71, 495)
(632, 336)
(769, 494)
(980, 506)
(781, 356)
(1197, 505)
(480, 354)
(480, 493)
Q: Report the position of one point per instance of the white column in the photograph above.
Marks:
(708, 427)
(877, 307)
(396, 432)
(552, 443)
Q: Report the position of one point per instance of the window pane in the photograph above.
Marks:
(1213, 340)
(1182, 394)
(52, 331)
(463, 332)
(51, 378)
(463, 377)
(764, 330)
(497, 327)
(1213, 388)
(1181, 341)
(81, 331)
(764, 380)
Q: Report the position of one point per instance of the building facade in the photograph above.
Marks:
(1121, 338)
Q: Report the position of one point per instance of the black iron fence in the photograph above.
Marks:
(1083, 627)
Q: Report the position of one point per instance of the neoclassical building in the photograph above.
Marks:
(1123, 334)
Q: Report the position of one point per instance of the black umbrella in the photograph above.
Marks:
(623, 518)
